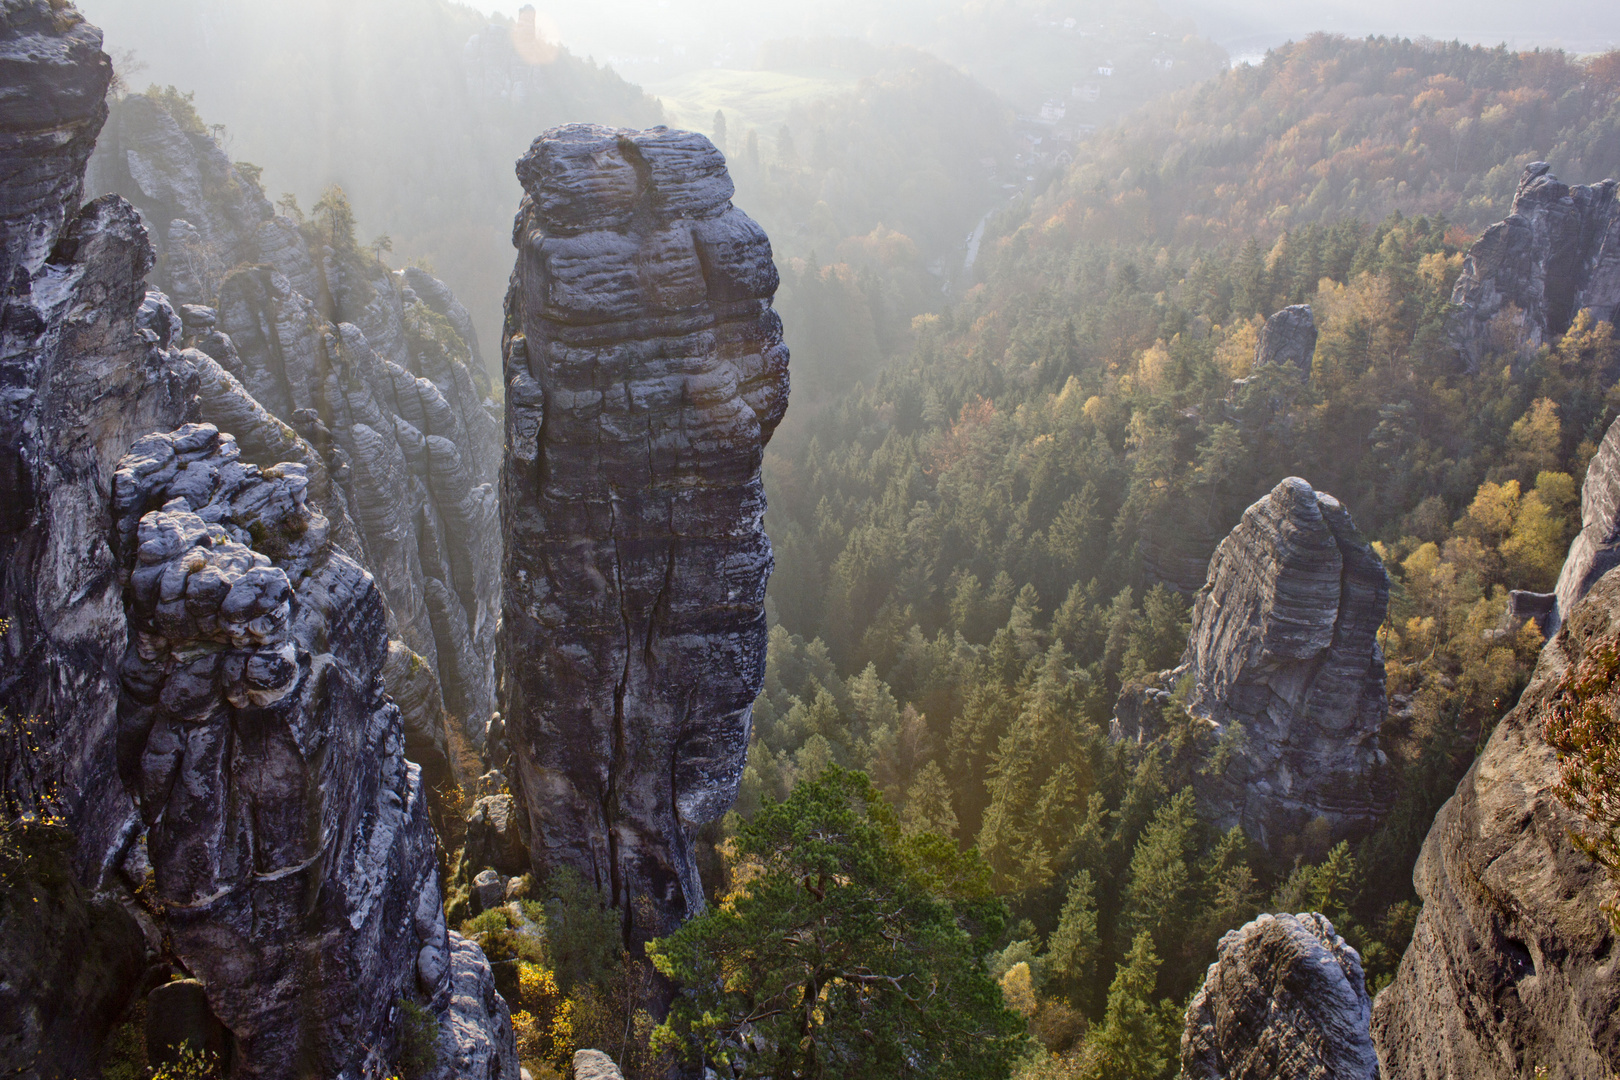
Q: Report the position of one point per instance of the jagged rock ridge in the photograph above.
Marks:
(1556, 254)
(645, 372)
(199, 663)
(269, 765)
(1283, 664)
(373, 380)
(1286, 999)
(1512, 964)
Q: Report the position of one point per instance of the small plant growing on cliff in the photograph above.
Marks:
(1584, 727)
(418, 1041)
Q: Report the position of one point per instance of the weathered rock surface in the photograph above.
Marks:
(645, 372)
(595, 1065)
(1526, 278)
(1512, 966)
(1289, 337)
(83, 381)
(1596, 548)
(268, 763)
(370, 379)
(1284, 665)
(1286, 999)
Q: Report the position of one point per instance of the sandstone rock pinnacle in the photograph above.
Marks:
(645, 373)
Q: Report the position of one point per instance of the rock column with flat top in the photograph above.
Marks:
(645, 372)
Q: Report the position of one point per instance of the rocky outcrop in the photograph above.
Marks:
(595, 1065)
(1283, 665)
(84, 379)
(268, 763)
(1596, 548)
(370, 379)
(1286, 999)
(1526, 278)
(191, 669)
(1289, 337)
(1512, 965)
(645, 372)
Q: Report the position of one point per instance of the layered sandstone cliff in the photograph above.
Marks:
(372, 379)
(1284, 668)
(1512, 966)
(1526, 278)
(196, 666)
(1285, 999)
(1596, 548)
(645, 372)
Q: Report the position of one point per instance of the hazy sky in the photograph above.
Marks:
(595, 26)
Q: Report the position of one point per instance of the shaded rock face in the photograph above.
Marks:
(370, 379)
(291, 853)
(645, 372)
(53, 89)
(1286, 999)
(1526, 278)
(1289, 337)
(1284, 647)
(1596, 548)
(1512, 964)
(85, 377)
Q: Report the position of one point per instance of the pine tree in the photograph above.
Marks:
(1138, 1037)
(1072, 952)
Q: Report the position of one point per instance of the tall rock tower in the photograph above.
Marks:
(645, 372)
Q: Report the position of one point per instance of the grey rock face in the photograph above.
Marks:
(1289, 337)
(1596, 548)
(267, 762)
(1557, 253)
(53, 89)
(84, 379)
(1286, 999)
(595, 1065)
(475, 1026)
(645, 372)
(371, 379)
(1512, 964)
(1284, 646)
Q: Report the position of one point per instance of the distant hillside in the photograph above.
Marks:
(417, 108)
(1328, 129)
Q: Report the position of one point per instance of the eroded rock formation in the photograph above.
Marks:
(196, 666)
(1286, 999)
(645, 372)
(1283, 664)
(1512, 965)
(1596, 548)
(1526, 278)
(287, 834)
(1289, 337)
(371, 379)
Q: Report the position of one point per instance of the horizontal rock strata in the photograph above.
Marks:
(1512, 966)
(645, 372)
(1283, 664)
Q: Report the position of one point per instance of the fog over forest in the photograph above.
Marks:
(956, 539)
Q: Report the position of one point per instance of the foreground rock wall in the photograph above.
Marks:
(192, 669)
(1596, 548)
(372, 379)
(645, 372)
(1512, 966)
(1525, 279)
